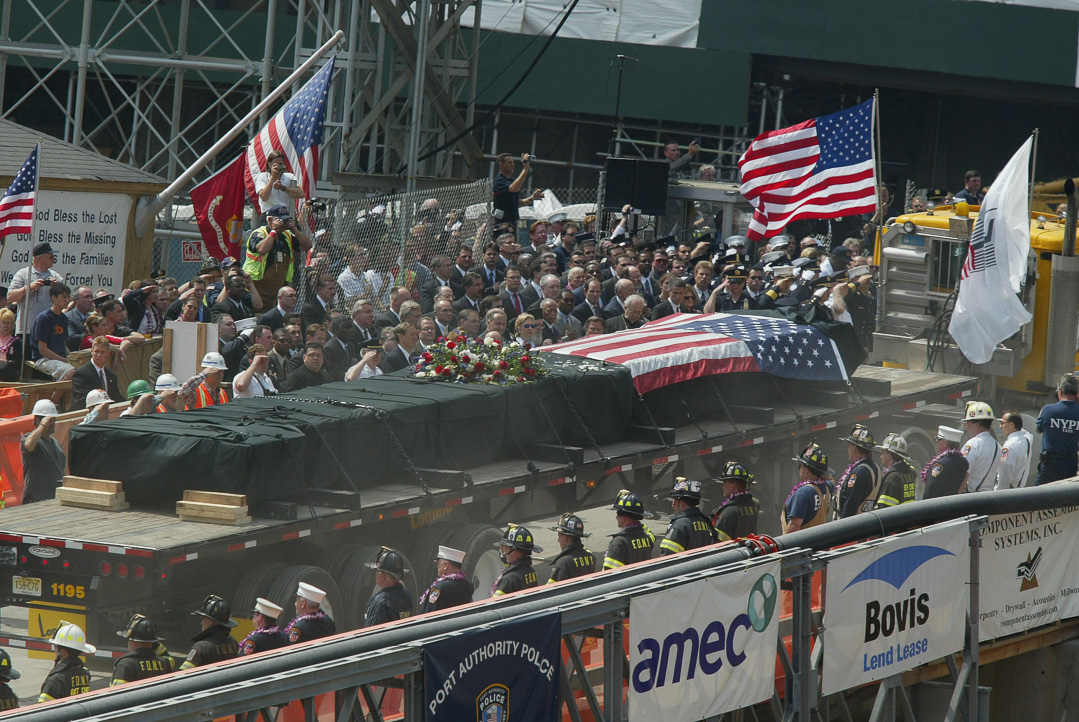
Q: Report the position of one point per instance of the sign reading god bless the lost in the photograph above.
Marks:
(86, 230)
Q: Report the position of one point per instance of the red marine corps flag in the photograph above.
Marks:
(218, 203)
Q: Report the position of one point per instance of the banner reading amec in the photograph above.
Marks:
(1029, 571)
(705, 648)
(897, 604)
(505, 673)
(87, 231)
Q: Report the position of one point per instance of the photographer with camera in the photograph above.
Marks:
(274, 186)
(269, 251)
(31, 290)
(507, 189)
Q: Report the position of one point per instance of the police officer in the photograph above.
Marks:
(310, 621)
(1014, 467)
(897, 486)
(946, 473)
(726, 301)
(859, 484)
(516, 549)
(737, 516)
(140, 662)
(689, 528)
(69, 677)
(266, 635)
(807, 504)
(982, 450)
(633, 541)
(8, 698)
(452, 588)
(213, 643)
(782, 282)
(392, 601)
(1059, 427)
(574, 560)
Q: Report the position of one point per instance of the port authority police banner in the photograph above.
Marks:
(897, 604)
(505, 673)
(1029, 571)
(705, 648)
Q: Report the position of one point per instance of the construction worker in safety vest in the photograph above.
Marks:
(168, 391)
(69, 677)
(209, 392)
(808, 503)
(269, 251)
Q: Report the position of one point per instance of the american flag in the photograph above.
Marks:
(820, 168)
(686, 346)
(17, 205)
(296, 131)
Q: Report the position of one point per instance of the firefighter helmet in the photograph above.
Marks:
(71, 636)
(7, 672)
(895, 445)
(217, 610)
(140, 629)
(860, 436)
(629, 504)
(736, 472)
(814, 457)
(978, 411)
(571, 525)
(390, 562)
(686, 489)
(519, 537)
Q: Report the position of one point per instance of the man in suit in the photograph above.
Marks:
(363, 322)
(568, 324)
(549, 314)
(232, 301)
(590, 306)
(472, 283)
(508, 251)
(95, 375)
(549, 288)
(442, 275)
(264, 336)
(280, 356)
(679, 288)
(317, 308)
(310, 372)
(443, 316)
(337, 354)
(623, 288)
(488, 270)
(286, 304)
(515, 298)
(408, 338)
(618, 271)
(633, 317)
(392, 316)
(83, 300)
(462, 264)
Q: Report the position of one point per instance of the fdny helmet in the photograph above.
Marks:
(814, 457)
(217, 610)
(978, 411)
(895, 445)
(519, 537)
(629, 504)
(140, 629)
(390, 562)
(571, 525)
(736, 472)
(860, 436)
(686, 489)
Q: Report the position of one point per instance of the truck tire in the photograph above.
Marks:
(256, 583)
(283, 592)
(921, 448)
(482, 564)
(335, 560)
(358, 583)
(426, 547)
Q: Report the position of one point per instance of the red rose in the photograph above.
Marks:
(497, 373)
(502, 364)
(466, 358)
(520, 378)
(439, 368)
(447, 372)
(525, 359)
(451, 345)
(427, 357)
(480, 366)
(453, 359)
(530, 372)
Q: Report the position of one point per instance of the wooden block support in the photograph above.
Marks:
(81, 482)
(213, 508)
(215, 497)
(91, 499)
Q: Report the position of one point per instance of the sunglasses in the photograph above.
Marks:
(529, 325)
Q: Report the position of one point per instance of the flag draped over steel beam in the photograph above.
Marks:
(987, 310)
(820, 168)
(686, 346)
(17, 205)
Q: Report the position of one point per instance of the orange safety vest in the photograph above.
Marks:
(203, 397)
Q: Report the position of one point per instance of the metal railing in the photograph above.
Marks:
(349, 664)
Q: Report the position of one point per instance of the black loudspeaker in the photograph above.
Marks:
(639, 183)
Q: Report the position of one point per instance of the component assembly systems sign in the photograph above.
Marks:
(716, 654)
(505, 673)
(897, 604)
(1029, 571)
(86, 230)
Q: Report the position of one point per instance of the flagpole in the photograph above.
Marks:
(1033, 170)
(877, 176)
(30, 262)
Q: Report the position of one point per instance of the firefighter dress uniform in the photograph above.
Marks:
(448, 590)
(270, 637)
(313, 625)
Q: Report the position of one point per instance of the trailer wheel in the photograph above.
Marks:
(335, 560)
(283, 591)
(255, 583)
(482, 563)
(426, 547)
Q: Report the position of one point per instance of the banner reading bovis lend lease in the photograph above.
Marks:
(895, 605)
(705, 648)
(88, 232)
(506, 673)
(1029, 571)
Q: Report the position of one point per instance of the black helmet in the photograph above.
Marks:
(7, 672)
(629, 504)
(736, 472)
(814, 457)
(218, 610)
(519, 537)
(860, 436)
(389, 561)
(686, 489)
(571, 525)
(141, 629)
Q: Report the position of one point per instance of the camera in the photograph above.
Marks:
(46, 281)
(318, 206)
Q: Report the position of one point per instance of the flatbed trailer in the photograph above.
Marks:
(98, 567)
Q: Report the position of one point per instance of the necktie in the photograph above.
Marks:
(517, 303)
(104, 381)
(491, 278)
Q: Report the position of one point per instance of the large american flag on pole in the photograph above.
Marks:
(296, 130)
(17, 205)
(820, 168)
(686, 346)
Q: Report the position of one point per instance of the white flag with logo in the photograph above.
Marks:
(988, 310)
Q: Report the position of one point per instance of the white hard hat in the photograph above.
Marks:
(214, 360)
(978, 411)
(895, 445)
(44, 407)
(168, 382)
(95, 397)
(71, 636)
